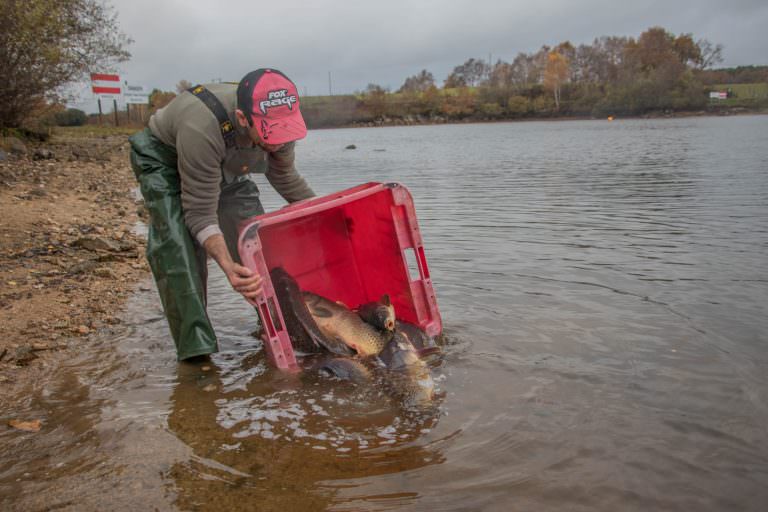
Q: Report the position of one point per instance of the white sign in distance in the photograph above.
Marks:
(135, 94)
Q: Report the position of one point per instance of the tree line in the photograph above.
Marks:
(47, 44)
(615, 75)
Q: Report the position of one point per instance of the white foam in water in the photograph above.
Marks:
(318, 418)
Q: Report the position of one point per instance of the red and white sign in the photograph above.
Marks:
(106, 86)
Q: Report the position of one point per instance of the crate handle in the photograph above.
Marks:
(268, 315)
(416, 263)
(422, 262)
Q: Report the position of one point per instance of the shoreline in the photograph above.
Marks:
(403, 122)
(70, 256)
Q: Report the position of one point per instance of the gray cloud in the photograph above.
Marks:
(385, 42)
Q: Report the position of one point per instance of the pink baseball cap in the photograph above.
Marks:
(270, 101)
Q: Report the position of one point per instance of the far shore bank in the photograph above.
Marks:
(423, 121)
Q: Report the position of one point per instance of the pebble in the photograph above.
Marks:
(105, 272)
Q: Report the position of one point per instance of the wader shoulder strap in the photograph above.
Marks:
(213, 103)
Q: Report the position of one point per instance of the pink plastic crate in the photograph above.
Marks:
(352, 246)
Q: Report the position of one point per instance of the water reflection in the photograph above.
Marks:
(284, 441)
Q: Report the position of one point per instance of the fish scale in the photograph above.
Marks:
(343, 325)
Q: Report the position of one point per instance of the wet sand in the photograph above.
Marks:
(69, 255)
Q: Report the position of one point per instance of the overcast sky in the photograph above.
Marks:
(385, 41)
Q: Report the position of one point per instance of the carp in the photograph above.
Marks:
(409, 378)
(398, 370)
(314, 322)
(345, 368)
(304, 332)
(380, 314)
(291, 304)
(424, 344)
(344, 327)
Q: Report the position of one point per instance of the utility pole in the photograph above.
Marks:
(330, 88)
(489, 65)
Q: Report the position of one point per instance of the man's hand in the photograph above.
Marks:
(244, 281)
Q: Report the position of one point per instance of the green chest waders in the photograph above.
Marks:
(178, 268)
(178, 263)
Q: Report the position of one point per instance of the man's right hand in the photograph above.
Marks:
(244, 281)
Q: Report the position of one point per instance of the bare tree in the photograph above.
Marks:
(419, 82)
(46, 44)
(710, 54)
(469, 74)
(524, 71)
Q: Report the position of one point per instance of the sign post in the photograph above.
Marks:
(107, 87)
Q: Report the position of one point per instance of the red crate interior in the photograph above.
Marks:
(350, 247)
(348, 253)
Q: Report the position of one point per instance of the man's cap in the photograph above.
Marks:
(270, 101)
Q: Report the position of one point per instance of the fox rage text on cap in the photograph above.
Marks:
(270, 101)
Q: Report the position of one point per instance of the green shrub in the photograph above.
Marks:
(71, 117)
(518, 106)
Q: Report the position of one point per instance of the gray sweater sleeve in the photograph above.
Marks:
(199, 162)
(284, 177)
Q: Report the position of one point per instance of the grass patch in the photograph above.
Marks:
(745, 91)
(751, 96)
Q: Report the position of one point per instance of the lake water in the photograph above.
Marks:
(604, 294)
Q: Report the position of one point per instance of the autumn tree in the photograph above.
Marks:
(600, 62)
(500, 76)
(418, 83)
(657, 50)
(459, 105)
(430, 100)
(374, 99)
(158, 99)
(469, 74)
(46, 44)
(556, 73)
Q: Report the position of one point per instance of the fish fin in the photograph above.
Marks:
(320, 340)
(427, 351)
(322, 312)
(334, 345)
(339, 348)
(347, 369)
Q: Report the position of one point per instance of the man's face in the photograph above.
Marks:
(253, 133)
